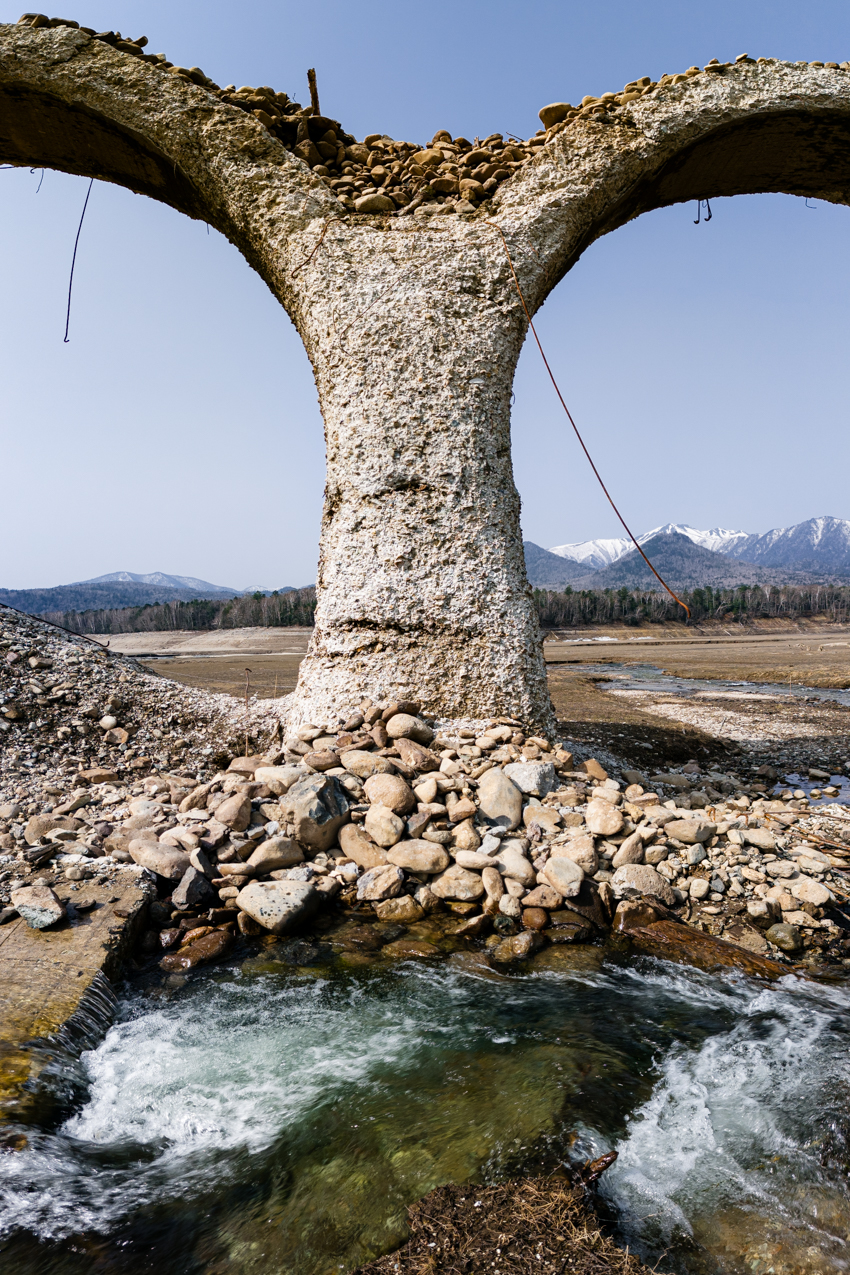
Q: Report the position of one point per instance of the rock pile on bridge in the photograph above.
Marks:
(449, 175)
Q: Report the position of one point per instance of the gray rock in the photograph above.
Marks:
(384, 882)
(278, 905)
(535, 778)
(499, 799)
(194, 891)
(38, 906)
(165, 861)
(695, 854)
(640, 878)
(509, 906)
(318, 807)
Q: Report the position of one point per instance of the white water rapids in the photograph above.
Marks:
(339, 1101)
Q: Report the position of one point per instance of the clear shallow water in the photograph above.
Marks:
(648, 677)
(264, 1123)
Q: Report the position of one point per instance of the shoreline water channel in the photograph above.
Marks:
(270, 1117)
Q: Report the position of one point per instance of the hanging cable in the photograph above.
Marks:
(575, 427)
(74, 262)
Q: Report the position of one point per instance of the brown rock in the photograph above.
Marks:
(322, 761)
(603, 819)
(390, 791)
(165, 861)
(592, 768)
(407, 949)
(384, 882)
(542, 897)
(673, 941)
(404, 909)
(465, 808)
(206, 948)
(535, 918)
(406, 726)
(373, 203)
(419, 856)
(413, 754)
(631, 851)
(581, 850)
(383, 826)
(99, 775)
(235, 812)
(245, 765)
(457, 883)
(360, 848)
(363, 764)
(39, 826)
(276, 853)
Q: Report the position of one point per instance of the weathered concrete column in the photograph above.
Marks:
(414, 327)
(414, 333)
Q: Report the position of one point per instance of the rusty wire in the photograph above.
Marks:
(308, 259)
(575, 427)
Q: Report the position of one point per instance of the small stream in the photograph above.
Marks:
(271, 1119)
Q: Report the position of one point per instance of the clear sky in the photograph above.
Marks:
(179, 429)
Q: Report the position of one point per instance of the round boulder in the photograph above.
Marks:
(390, 791)
(405, 726)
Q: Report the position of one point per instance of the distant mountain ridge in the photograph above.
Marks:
(160, 578)
(685, 565)
(122, 589)
(819, 544)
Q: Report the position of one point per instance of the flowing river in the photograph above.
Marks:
(267, 1118)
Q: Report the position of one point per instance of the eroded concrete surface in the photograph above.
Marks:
(47, 977)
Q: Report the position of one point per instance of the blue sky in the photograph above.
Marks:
(179, 428)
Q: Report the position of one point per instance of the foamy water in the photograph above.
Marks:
(320, 1107)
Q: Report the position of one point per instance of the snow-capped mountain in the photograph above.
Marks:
(158, 577)
(597, 554)
(820, 544)
(594, 554)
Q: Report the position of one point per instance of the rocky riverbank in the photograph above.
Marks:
(386, 814)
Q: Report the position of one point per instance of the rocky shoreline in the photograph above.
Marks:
(476, 832)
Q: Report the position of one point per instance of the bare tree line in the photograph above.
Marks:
(574, 608)
(569, 609)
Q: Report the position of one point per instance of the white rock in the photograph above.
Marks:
(278, 905)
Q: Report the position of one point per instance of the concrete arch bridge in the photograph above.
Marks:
(412, 321)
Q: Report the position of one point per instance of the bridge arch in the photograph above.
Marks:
(414, 328)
